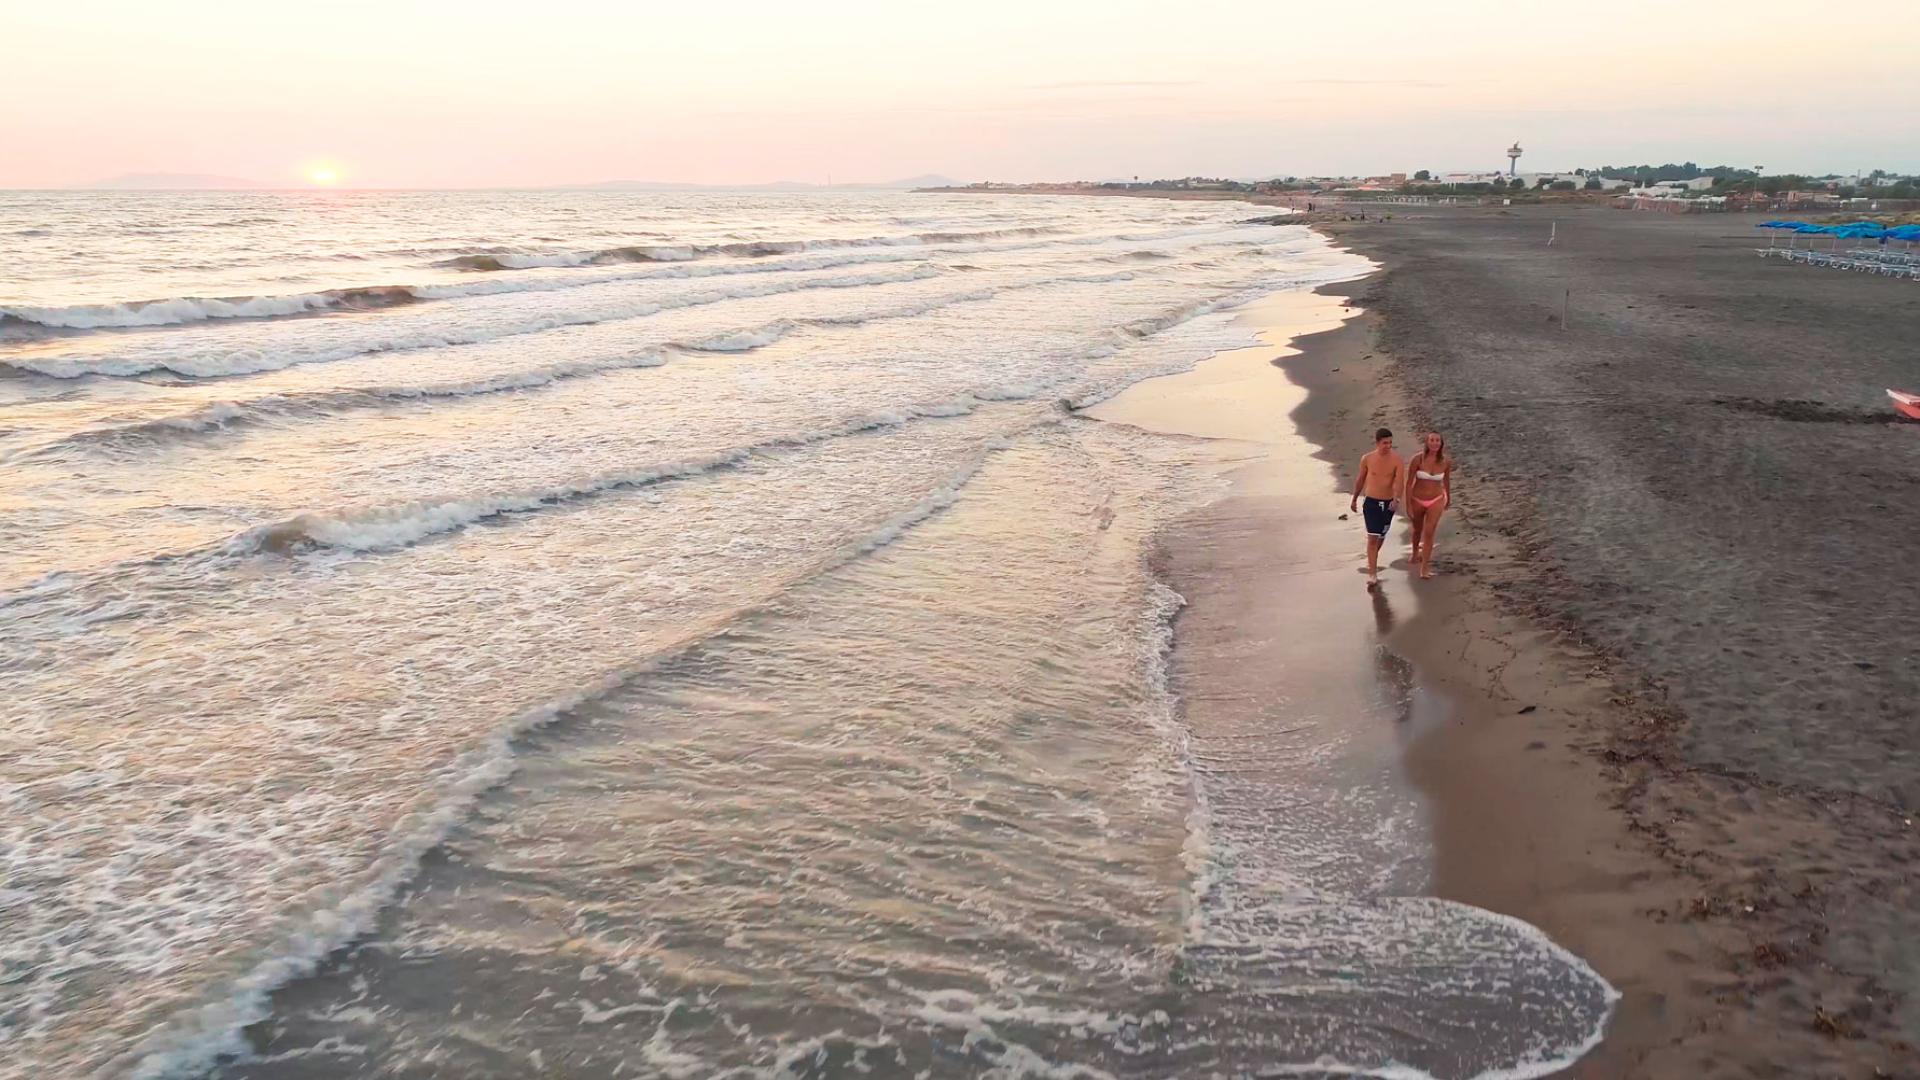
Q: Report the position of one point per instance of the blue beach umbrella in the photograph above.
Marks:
(1799, 228)
(1907, 234)
(1844, 232)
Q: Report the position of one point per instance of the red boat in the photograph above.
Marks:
(1907, 404)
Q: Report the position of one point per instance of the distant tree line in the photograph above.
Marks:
(1728, 179)
(1648, 175)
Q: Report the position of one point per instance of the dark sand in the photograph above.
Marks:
(1708, 451)
(1683, 523)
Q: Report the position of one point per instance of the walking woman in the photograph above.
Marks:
(1428, 493)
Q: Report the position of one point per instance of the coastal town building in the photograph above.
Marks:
(1579, 180)
(1673, 189)
(1389, 182)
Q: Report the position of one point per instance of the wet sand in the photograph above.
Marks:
(1754, 927)
(1279, 632)
(1671, 549)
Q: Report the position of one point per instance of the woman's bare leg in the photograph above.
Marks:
(1429, 527)
(1416, 528)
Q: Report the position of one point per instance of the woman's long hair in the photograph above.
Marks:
(1440, 456)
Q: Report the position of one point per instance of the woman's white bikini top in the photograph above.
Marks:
(1421, 474)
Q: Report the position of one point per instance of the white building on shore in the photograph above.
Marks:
(1674, 189)
(1531, 180)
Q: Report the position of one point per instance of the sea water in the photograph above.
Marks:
(599, 634)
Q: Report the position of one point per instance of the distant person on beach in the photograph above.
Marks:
(1428, 493)
(1382, 476)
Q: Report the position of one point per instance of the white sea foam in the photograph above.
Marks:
(252, 361)
(174, 311)
(223, 414)
(384, 528)
(747, 340)
(522, 260)
(192, 1041)
(177, 311)
(168, 312)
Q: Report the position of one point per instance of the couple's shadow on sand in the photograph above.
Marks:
(1382, 607)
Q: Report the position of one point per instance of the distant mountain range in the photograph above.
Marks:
(213, 182)
(165, 181)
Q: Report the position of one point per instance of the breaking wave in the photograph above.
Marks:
(25, 322)
(753, 249)
(223, 414)
(269, 407)
(384, 528)
(194, 1040)
(250, 361)
(380, 528)
(531, 261)
(174, 311)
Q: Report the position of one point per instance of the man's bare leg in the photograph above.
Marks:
(1373, 560)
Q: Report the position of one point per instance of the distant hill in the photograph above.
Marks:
(213, 182)
(173, 182)
(924, 180)
(929, 180)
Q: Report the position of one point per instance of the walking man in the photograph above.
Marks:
(1377, 486)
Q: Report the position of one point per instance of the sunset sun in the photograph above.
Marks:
(323, 175)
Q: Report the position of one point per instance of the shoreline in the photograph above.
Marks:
(1523, 819)
(1276, 626)
(1555, 791)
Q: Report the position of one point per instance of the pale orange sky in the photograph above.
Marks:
(477, 93)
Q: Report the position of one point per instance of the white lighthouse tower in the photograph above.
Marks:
(1513, 158)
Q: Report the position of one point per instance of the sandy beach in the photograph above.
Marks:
(1681, 675)
(1678, 741)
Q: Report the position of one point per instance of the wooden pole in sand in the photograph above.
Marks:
(1566, 301)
